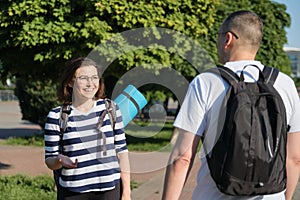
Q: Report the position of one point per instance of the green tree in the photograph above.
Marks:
(275, 20)
(38, 37)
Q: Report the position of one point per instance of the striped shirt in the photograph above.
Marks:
(82, 141)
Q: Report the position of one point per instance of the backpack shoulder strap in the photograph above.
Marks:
(111, 110)
(270, 74)
(65, 110)
(228, 75)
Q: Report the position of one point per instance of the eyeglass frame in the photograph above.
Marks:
(86, 79)
(235, 35)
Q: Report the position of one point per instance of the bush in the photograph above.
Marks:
(21, 187)
(36, 98)
(35, 140)
(297, 81)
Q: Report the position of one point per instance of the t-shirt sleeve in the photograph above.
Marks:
(295, 117)
(191, 116)
(52, 134)
(288, 92)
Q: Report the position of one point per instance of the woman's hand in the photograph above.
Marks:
(126, 196)
(67, 162)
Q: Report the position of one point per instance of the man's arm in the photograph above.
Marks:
(180, 163)
(292, 163)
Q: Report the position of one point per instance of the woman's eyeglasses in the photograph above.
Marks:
(86, 79)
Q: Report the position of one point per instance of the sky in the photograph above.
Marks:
(293, 32)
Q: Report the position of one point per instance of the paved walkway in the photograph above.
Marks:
(147, 169)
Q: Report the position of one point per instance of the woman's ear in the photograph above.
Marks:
(71, 84)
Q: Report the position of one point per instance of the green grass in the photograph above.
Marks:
(36, 140)
(148, 137)
(21, 187)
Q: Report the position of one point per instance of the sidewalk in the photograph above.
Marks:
(30, 161)
(148, 169)
(11, 123)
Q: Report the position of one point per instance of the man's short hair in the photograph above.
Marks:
(246, 24)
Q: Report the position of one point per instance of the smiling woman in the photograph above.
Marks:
(85, 85)
(75, 71)
(88, 153)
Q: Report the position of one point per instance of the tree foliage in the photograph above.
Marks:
(38, 37)
(44, 34)
(275, 20)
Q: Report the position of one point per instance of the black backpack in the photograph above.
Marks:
(65, 110)
(249, 155)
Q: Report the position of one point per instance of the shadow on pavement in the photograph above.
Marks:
(4, 166)
(18, 132)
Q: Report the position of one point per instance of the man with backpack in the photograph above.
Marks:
(247, 117)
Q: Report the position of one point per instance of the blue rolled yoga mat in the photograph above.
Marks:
(131, 102)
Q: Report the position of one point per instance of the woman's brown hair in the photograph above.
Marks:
(64, 91)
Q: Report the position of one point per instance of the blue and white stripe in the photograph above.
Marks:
(82, 141)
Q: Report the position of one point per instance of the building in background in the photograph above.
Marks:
(294, 56)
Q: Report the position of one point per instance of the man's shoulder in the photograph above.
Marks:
(208, 75)
(283, 80)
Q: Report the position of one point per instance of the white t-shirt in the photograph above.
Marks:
(200, 110)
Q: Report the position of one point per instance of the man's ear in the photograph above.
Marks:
(229, 39)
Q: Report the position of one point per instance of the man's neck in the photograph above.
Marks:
(241, 54)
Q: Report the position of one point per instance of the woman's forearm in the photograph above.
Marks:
(53, 163)
(125, 174)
